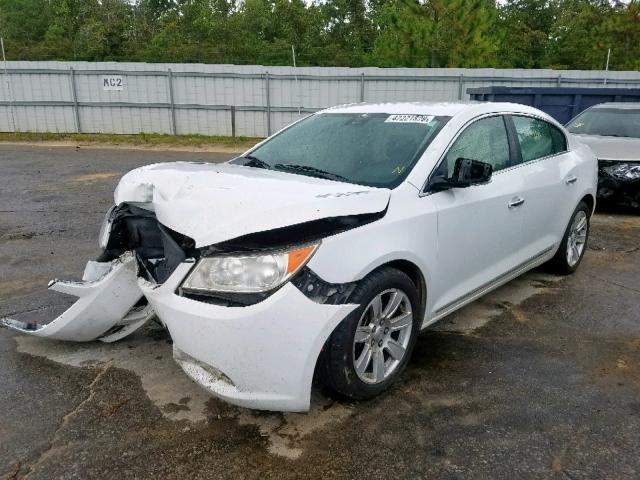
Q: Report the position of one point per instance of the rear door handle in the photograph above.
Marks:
(516, 202)
(571, 179)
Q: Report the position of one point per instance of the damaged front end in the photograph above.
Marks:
(110, 304)
(619, 182)
(139, 250)
(222, 264)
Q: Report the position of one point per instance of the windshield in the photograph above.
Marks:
(608, 122)
(373, 149)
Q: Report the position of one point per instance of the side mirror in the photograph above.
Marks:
(466, 172)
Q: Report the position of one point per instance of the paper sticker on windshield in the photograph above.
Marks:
(409, 119)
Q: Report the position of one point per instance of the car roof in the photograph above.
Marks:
(618, 105)
(447, 109)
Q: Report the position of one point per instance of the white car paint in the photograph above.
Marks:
(240, 200)
(619, 149)
(464, 242)
(268, 350)
(612, 148)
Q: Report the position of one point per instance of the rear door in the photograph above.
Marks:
(550, 175)
(479, 227)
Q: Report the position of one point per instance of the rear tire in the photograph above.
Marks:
(370, 348)
(574, 242)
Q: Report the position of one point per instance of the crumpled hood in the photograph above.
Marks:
(613, 148)
(213, 203)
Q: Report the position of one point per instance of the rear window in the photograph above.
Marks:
(538, 138)
(607, 122)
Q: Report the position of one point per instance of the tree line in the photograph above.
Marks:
(559, 34)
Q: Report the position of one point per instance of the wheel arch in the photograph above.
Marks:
(415, 274)
(325, 360)
(590, 201)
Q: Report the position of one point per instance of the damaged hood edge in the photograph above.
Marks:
(215, 203)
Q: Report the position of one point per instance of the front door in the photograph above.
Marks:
(479, 227)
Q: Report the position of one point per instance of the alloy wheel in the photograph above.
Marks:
(577, 238)
(382, 336)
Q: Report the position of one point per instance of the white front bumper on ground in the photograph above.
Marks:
(106, 295)
(261, 356)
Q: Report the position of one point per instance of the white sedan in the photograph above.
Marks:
(612, 130)
(323, 251)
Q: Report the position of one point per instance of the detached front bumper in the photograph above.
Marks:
(105, 309)
(260, 356)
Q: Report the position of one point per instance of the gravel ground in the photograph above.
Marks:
(540, 379)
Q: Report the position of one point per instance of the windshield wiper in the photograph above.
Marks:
(316, 172)
(256, 162)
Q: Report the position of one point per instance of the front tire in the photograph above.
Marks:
(370, 348)
(574, 242)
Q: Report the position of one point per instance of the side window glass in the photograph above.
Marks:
(484, 140)
(538, 138)
(559, 140)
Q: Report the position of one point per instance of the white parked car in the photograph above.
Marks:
(612, 130)
(328, 247)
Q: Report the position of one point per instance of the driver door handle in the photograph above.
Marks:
(571, 179)
(516, 202)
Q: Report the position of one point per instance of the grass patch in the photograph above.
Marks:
(137, 139)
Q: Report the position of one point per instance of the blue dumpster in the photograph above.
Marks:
(561, 103)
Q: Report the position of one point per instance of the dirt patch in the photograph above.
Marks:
(178, 398)
(506, 298)
(616, 233)
(163, 380)
(94, 177)
(10, 288)
(17, 236)
(617, 261)
(620, 369)
(286, 431)
(28, 235)
(175, 408)
(161, 147)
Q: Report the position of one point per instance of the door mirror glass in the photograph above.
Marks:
(466, 172)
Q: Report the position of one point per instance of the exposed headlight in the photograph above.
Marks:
(624, 171)
(105, 228)
(247, 273)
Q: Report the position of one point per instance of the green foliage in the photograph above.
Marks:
(572, 46)
(524, 28)
(436, 33)
(391, 33)
(625, 33)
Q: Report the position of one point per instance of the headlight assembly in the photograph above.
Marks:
(624, 171)
(253, 273)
